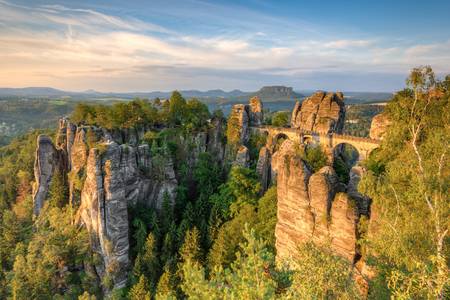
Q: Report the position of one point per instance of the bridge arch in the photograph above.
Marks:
(277, 140)
(344, 157)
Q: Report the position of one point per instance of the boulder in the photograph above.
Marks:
(322, 112)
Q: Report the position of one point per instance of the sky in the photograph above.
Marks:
(119, 46)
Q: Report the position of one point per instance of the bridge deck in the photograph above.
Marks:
(322, 134)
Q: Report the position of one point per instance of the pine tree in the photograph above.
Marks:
(140, 290)
(58, 193)
(191, 246)
(140, 233)
(165, 288)
(150, 260)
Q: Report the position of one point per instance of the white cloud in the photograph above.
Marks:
(77, 48)
(344, 44)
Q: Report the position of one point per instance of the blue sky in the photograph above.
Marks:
(164, 45)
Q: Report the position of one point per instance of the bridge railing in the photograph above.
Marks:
(356, 138)
(323, 134)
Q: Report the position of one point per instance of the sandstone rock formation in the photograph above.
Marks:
(239, 121)
(256, 111)
(321, 112)
(109, 170)
(47, 162)
(216, 139)
(343, 227)
(263, 168)
(379, 125)
(295, 222)
(322, 188)
(242, 157)
(314, 207)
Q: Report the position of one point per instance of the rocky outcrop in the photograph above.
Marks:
(216, 139)
(108, 171)
(295, 222)
(256, 111)
(314, 207)
(296, 115)
(322, 188)
(104, 213)
(242, 157)
(263, 168)
(238, 124)
(47, 162)
(322, 112)
(379, 125)
(343, 226)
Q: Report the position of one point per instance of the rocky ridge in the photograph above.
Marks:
(108, 171)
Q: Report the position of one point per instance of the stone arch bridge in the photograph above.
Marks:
(328, 141)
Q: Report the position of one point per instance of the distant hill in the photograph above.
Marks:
(40, 92)
(277, 93)
(267, 94)
(32, 92)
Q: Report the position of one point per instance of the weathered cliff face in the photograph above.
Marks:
(263, 168)
(314, 207)
(108, 171)
(321, 112)
(295, 221)
(48, 161)
(256, 111)
(216, 139)
(239, 119)
(379, 125)
(242, 157)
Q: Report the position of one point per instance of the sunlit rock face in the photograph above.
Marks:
(263, 168)
(47, 162)
(256, 111)
(322, 112)
(315, 207)
(379, 125)
(242, 157)
(109, 171)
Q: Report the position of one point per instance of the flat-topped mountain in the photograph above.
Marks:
(277, 93)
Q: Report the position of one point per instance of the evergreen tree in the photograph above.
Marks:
(140, 291)
(150, 260)
(229, 236)
(58, 192)
(249, 277)
(177, 108)
(267, 217)
(165, 288)
(191, 246)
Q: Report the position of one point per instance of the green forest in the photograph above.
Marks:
(218, 239)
